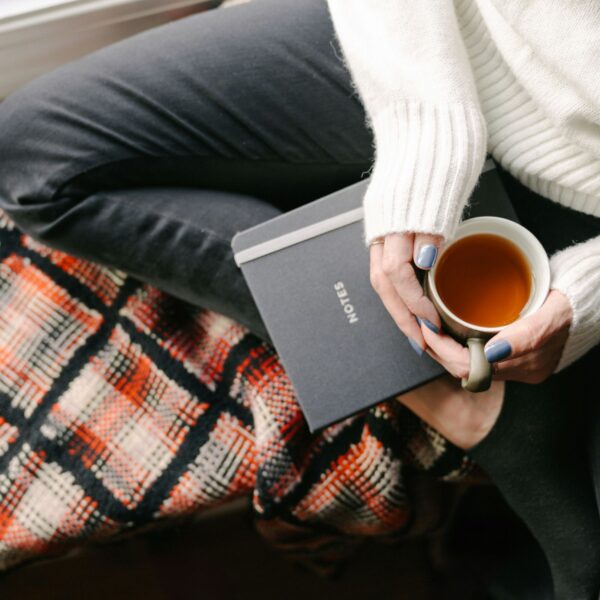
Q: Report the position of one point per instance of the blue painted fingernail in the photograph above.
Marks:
(498, 351)
(431, 326)
(428, 324)
(426, 256)
(415, 347)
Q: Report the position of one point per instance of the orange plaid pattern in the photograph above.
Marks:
(120, 405)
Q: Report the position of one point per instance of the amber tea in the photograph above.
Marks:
(484, 279)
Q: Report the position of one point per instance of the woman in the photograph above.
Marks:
(150, 154)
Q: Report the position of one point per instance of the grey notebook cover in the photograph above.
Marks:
(340, 360)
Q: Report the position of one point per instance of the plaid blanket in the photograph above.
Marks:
(120, 405)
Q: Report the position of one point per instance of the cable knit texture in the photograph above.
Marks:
(428, 159)
(576, 273)
(443, 82)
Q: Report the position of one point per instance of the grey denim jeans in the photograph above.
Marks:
(150, 154)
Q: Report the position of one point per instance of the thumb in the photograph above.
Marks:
(426, 249)
(520, 337)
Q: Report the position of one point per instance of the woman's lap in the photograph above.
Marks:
(150, 154)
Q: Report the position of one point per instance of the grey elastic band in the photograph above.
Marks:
(310, 231)
(299, 235)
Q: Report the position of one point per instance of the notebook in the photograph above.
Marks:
(308, 271)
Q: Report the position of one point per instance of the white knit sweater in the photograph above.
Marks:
(444, 81)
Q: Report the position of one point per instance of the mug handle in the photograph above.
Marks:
(480, 370)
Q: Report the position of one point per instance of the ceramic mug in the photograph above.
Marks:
(475, 336)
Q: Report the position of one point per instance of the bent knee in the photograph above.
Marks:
(30, 145)
(43, 146)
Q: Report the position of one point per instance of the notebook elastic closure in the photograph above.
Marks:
(297, 236)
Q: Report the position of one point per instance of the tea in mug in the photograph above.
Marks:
(484, 279)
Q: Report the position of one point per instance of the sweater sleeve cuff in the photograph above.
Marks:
(576, 273)
(428, 159)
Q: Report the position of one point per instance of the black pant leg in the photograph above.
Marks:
(118, 157)
(538, 452)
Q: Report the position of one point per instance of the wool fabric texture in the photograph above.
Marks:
(121, 405)
(445, 82)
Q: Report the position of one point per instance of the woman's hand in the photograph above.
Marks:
(462, 417)
(527, 350)
(393, 277)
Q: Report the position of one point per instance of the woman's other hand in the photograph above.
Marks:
(527, 350)
(394, 278)
(462, 417)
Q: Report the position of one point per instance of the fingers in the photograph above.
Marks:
(449, 353)
(533, 367)
(394, 278)
(392, 302)
(531, 333)
(397, 264)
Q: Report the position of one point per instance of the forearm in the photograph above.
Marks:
(411, 70)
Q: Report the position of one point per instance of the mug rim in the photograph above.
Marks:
(545, 276)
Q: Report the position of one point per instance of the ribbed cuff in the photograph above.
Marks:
(428, 158)
(576, 273)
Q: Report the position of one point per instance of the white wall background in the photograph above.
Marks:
(38, 35)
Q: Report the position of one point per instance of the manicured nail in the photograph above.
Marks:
(498, 351)
(428, 324)
(415, 347)
(426, 256)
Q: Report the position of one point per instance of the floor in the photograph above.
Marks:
(222, 558)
